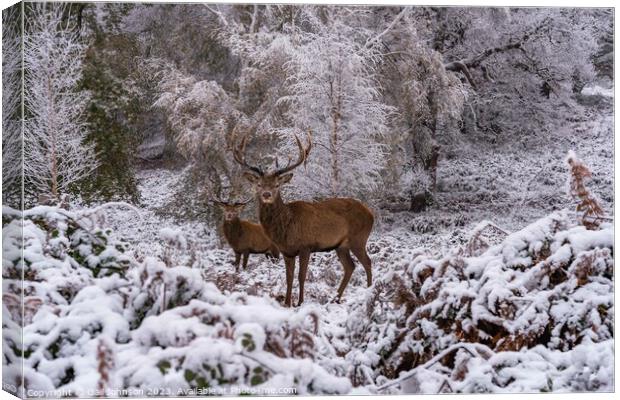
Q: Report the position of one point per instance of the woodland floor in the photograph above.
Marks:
(509, 186)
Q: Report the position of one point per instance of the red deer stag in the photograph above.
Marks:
(244, 237)
(300, 228)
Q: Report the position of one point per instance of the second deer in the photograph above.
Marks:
(300, 228)
(244, 237)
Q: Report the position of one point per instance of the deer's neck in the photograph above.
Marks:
(275, 219)
(232, 231)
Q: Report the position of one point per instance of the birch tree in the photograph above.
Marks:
(11, 99)
(55, 155)
(334, 94)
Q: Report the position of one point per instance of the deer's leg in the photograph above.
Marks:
(290, 271)
(347, 262)
(237, 260)
(246, 255)
(304, 258)
(361, 254)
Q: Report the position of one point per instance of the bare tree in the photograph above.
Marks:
(333, 92)
(11, 97)
(55, 154)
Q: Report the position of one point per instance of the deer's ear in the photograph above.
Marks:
(286, 178)
(252, 178)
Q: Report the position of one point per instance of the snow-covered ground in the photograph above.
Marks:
(124, 299)
(495, 289)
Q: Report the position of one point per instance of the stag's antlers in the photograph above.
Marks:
(229, 202)
(303, 155)
(239, 156)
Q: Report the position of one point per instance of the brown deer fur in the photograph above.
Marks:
(245, 237)
(300, 228)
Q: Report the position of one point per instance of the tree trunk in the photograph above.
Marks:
(334, 150)
(428, 160)
(336, 117)
(53, 150)
(432, 167)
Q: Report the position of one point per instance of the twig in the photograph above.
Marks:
(480, 348)
(369, 42)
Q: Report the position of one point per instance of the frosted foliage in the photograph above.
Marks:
(334, 94)
(55, 155)
(11, 98)
(430, 92)
(532, 310)
(88, 302)
(476, 323)
(521, 90)
(199, 113)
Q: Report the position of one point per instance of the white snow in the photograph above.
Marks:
(175, 315)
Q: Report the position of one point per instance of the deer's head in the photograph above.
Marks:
(267, 184)
(231, 210)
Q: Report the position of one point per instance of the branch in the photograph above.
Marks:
(484, 352)
(218, 13)
(369, 42)
(465, 64)
(254, 24)
(460, 66)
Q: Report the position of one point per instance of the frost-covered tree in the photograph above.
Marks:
(524, 64)
(55, 155)
(200, 113)
(429, 98)
(202, 117)
(333, 92)
(458, 79)
(11, 100)
(116, 109)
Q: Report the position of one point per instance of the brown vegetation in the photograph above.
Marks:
(592, 213)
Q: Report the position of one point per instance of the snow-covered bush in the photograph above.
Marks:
(220, 341)
(96, 321)
(548, 286)
(65, 313)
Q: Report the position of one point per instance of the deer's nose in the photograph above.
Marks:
(266, 195)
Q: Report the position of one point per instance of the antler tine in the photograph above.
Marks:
(239, 156)
(303, 155)
(216, 200)
(244, 201)
(309, 145)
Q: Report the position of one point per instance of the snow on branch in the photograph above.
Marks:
(464, 65)
(376, 38)
(55, 153)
